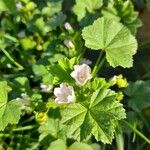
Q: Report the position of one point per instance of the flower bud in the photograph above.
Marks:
(68, 26)
(121, 82)
(46, 88)
(120, 96)
(64, 94)
(81, 74)
(41, 117)
(68, 43)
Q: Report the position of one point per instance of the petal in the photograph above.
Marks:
(57, 91)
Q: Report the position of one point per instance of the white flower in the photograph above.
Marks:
(68, 43)
(64, 94)
(68, 26)
(86, 61)
(46, 88)
(81, 73)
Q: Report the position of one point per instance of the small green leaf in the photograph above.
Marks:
(53, 7)
(98, 83)
(63, 69)
(97, 118)
(27, 43)
(113, 38)
(9, 111)
(139, 95)
(82, 7)
(58, 145)
(80, 146)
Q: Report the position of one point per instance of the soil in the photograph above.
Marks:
(144, 31)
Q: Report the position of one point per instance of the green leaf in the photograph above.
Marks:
(82, 7)
(139, 95)
(39, 69)
(21, 85)
(53, 6)
(27, 43)
(61, 145)
(51, 127)
(58, 145)
(97, 118)
(124, 12)
(98, 83)
(9, 111)
(110, 36)
(7, 5)
(80, 146)
(54, 22)
(63, 69)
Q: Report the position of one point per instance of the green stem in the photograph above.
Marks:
(119, 138)
(11, 59)
(24, 128)
(98, 64)
(4, 135)
(137, 131)
(28, 120)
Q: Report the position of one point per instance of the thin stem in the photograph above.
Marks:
(95, 70)
(28, 120)
(101, 64)
(137, 131)
(11, 59)
(24, 128)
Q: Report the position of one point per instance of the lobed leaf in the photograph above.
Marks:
(98, 118)
(82, 7)
(113, 38)
(9, 111)
(139, 95)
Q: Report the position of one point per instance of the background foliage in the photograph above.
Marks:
(33, 53)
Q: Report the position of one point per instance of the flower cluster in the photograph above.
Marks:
(65, 93)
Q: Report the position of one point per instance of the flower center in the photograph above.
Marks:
(81, 77)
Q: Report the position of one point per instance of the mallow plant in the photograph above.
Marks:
(52, 97)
